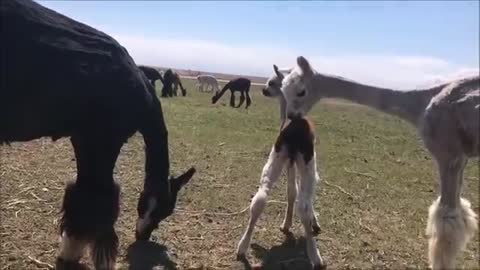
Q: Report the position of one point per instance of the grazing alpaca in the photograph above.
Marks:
(241, 85)
(206, 81)
(273, 89)
(447, 117)
(82, 84)
(296, 145)
(151, 74)
(171, 78)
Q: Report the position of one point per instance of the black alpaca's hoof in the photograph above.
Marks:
(142, 236)
(61, 264)
(241, 257)
(320, 267)
(316, 230)
(285, 231)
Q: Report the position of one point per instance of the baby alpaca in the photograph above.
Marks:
(295, 144)
(273, 89)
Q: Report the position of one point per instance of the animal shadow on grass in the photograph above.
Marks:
(147, 255)
(290, 255)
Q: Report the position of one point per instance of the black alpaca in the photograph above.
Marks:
(82, 84)
(151, 74)
(171, 82)
(241, 85)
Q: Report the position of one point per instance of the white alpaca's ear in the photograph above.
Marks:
(304, 66)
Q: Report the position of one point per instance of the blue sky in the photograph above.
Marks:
(397, 44)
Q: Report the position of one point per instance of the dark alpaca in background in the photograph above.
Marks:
(82, 84)
(151, 74)
(171, 82)
(241, 85)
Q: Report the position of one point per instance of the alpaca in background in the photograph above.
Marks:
(241, 85)
(171, 83)
(207, 83)
(151, 74)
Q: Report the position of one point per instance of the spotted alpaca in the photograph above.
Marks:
(296, 145)
(273, 89)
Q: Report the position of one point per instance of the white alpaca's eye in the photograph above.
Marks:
(301, 94)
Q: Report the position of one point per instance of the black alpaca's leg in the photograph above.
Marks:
(242, 99)
(249, 100)
(105, 244)
(105, 247)
(91, 205)
(175, 89)
(72, 248)
(232, 98)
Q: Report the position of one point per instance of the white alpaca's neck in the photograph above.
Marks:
(408, 105)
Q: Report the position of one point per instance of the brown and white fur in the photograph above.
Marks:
(295, 144)
(448, 119)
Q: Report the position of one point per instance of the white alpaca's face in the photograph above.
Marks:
(296, 94)
(297, 89)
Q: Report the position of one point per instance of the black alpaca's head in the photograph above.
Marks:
(153, 207)
(215, 97)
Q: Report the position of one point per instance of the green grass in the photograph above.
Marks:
(377, 158)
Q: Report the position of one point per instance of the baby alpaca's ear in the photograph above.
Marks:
(279, 74)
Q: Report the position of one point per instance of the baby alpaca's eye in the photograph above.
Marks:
(301, 94)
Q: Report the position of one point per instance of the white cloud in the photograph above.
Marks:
(381, 70)
(204, 55)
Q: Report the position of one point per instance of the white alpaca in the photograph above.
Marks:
(206, 81)
(295, 144)
(447, 117)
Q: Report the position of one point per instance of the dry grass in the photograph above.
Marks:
(377, 159)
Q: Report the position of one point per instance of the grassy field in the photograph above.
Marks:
(377, 221)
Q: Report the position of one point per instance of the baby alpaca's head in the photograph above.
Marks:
(274, 83)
